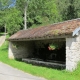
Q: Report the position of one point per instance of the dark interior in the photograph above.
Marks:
(50, 55)
(43, 56)
(2, 29)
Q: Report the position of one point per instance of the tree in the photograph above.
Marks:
(10, 17)
(2, 22)
(39, 11)
(71, 12)
(14, 20)
(52, 11)
(62, 6)
(69, 9)
(4, 5)
(22, 5)
(77, 8)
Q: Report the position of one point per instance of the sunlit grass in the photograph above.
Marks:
(48, 73)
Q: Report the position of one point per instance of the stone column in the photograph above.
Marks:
(72, 53)
(10, 52)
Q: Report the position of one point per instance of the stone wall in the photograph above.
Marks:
(20, 49)
(72, 53)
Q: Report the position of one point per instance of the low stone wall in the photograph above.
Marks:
(55, 65)
(20, 49)
(72, 53)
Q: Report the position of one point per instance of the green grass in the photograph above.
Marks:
(48, 73)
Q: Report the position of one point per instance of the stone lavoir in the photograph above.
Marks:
(56, 45)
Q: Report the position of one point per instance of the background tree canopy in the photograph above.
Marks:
(38, 12)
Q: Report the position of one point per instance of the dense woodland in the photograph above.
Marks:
(34, 13)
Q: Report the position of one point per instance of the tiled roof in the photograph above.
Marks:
(65, 29)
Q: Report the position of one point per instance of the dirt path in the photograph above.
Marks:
(2, 39)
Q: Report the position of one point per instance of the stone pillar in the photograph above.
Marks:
(10, 53)
(72, 53)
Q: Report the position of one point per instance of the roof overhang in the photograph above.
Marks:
(42, 38)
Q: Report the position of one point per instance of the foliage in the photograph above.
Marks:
(5, 4)
(44, 11)
(12, 19)
(69, 9)
(53, 46)
(39, 12)
(62, 6)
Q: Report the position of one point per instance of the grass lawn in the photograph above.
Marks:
(48, 73)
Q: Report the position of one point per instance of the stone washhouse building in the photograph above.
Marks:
(33, 44)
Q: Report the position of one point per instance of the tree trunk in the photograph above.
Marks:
(5, 29)
(25, 17)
